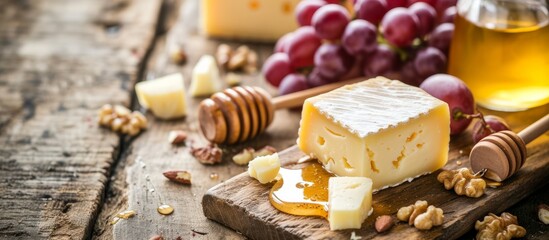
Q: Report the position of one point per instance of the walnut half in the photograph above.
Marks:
(463, 181)
(209, 154)
(503, 227)
(421, 215)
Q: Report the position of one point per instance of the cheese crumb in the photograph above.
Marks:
(264, 168)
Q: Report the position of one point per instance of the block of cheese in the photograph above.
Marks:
(264, 168)
(381, 129)
(349, 201)
(263, 20)
(205, 77)
(164, 96)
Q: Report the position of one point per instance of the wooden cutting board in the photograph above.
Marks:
(242, 203)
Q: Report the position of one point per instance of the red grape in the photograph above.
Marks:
(332, 60)
(409, 74)
(359, 37)
(276, 67)
(396, 3)
(305, 9)
(430, 2)
(400, 27)
(302, 47)
(294, 82)
(330, 21)
(454, 92)
(429, 61)
(283, 43)
(442, 5)
(494, 124)
(380, 62)
(426, 16)
(315, 79)
(449, 15)
(371, 10)
(441, 37)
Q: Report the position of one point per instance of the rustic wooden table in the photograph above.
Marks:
(63, 177)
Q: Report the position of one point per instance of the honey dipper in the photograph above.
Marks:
(503, 153)
(241, 113)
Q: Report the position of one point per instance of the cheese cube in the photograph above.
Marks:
(349, 201)
(264, 168)
(205, 77)
(264, 20)
(164, 96)
(381, 129)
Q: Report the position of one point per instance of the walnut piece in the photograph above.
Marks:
(504, 227)
(121, 119)
(463, 181)
(421, 215)
(241, 59)
(209, 154)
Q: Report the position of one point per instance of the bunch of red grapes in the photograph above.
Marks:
(407, 39)
(410, 38)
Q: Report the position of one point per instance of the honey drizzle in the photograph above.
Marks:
(302, 192)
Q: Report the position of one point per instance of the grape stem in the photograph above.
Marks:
(478, 114)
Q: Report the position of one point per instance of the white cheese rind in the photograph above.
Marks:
(349, 202)
(205, 77)
(381, 129)
(164, 96)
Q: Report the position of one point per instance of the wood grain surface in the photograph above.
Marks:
(242, 203)
(60, 61)
(63, 177)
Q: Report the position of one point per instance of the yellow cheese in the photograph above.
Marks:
(264, 168)
(349, 202)
(381, 129)
(164, 96)
(264, 20)
(205, 77)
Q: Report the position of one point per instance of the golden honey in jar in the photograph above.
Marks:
(500, 49)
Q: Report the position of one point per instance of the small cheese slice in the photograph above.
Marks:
(264, 168)
(349, 202)
(264, 20)
(381, 129)
(205, 77)
(164, 96)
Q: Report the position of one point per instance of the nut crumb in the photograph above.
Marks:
(383, 223)
(180, 176)
(177, 137)
(504, 227)
(209, 154)
(421, 215)
(463, 181)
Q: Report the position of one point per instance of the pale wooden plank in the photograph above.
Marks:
(57, 66)
(158, 155)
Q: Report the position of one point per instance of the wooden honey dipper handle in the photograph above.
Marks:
(296, 99)
(535, 129)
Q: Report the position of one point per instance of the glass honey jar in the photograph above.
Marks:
(500, 49)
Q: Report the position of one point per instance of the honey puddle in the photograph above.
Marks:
(302, 192)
